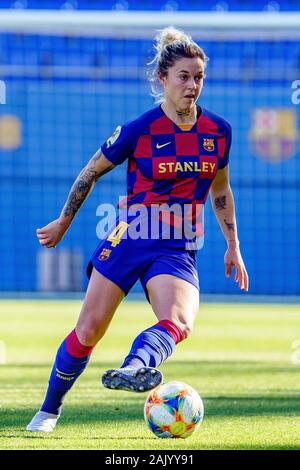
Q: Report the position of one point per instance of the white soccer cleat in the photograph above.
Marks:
(42, 422)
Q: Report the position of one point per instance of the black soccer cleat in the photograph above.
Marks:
(132, 380)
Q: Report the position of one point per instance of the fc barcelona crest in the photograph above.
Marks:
(209, 144)
(105, 254)
(274, 133)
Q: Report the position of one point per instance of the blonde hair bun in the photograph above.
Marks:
(169, 35)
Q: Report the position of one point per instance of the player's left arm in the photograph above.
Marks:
(224, 208)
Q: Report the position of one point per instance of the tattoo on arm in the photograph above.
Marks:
(79, 191)
(220, 203)
(82, 186)
(229, 225)
(94, 161)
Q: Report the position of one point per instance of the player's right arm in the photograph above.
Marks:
(51, 234)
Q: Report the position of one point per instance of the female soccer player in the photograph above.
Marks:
(177, 153)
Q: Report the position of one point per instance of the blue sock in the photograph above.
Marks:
(150, 348)
(66, 369)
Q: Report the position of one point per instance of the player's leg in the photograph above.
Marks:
(175, 303)
(101, 301)
(179, 305)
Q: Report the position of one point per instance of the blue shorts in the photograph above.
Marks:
(124, 260)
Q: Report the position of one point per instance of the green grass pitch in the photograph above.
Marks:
(239, 358)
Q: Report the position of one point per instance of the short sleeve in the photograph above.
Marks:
(225, 159)
(119, 145)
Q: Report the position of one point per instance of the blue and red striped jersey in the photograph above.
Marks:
(168, 163)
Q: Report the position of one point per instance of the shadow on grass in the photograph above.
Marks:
(259, 406)
(188, 367)
(123, 410)
(124, 407)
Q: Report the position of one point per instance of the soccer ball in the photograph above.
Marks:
(173, 409)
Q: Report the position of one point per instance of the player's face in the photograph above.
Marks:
(184, 82)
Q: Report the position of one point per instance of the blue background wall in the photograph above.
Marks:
(66, 118)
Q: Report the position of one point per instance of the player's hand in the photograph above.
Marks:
(233, 258)
(50, 235)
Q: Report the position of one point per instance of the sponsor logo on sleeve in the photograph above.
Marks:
(113, 137)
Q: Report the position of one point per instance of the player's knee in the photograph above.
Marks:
(88, 333)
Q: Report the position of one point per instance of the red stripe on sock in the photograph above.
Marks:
(173, 329)
(75, 348)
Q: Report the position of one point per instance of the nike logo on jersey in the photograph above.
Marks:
(162, 145)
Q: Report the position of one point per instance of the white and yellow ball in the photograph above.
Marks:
(173, 410)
